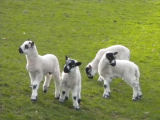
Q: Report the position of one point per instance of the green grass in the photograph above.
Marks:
(79, 28)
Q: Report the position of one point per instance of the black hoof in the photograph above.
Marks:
(57, 97)
(34, 100)
(106, 95)
(140, 97)
(77, 108)
(135, 99)
(45, 91)
(61, 101)
(79, 101)
(66, 98)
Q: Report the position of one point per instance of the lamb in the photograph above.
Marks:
(71, 81)
(39, 66)
(110, 68)
(92, 67)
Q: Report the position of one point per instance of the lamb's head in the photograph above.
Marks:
(26, 47)
(89, 71)
(111, 58)
(70, 64)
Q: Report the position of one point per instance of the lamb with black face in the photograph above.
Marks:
(71, 82)
(70, 64)
(89, 71)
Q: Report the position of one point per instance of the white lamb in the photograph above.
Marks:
(92, 67)
(39, 66)
(71, 81)
(110, 68)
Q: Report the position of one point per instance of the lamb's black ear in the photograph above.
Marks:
(115, 53)
(107, 54)
(66, 57)
(78, 63)
(90, 66)
(32, 44)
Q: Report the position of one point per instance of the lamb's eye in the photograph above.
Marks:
(26, 47)
(71, 65)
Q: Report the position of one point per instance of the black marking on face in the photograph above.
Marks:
(78, 63)
(34, 86)
(63, 92)
(69, 65)
(26, 47)
(74, 97)
(49, 73)
(66, 70)
(111, 58)
(20, 50)
(88, 72)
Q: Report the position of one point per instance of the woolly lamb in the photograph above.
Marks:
(110, 68)
(39, 66)
(71, 81)
(92, 67)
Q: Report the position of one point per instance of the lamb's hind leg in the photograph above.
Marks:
(135, 92)
(139, 92)
(135, 86)
(46, 83)
(57, 85)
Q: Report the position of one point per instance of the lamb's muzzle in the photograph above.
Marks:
(20, 51)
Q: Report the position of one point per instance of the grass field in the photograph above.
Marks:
(79, 28)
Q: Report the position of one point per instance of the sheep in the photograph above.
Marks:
(92, 67)
(71, 81)
(39, 66)
(110, 68)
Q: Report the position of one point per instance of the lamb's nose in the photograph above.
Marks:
(20, 50)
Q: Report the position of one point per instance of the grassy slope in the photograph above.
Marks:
(79, 28)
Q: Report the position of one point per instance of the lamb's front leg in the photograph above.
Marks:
(107, 90)
(100, 79)
(75, 99)
(35, 86)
